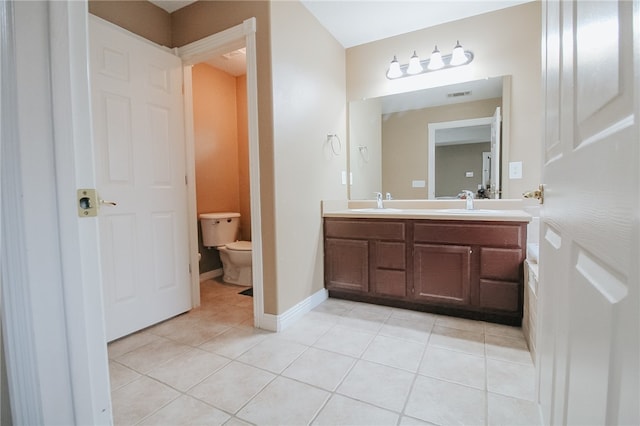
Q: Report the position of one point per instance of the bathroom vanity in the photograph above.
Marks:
(447, 261)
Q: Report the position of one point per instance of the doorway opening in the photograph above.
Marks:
(231, 40)
(458, 141)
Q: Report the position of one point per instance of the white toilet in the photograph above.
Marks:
(220, 230)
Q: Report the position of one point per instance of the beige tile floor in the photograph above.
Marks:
(344, 363)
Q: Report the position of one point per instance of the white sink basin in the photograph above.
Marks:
(465, 211)
(376, 210)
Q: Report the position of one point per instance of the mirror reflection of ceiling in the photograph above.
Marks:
(446, 95)
(355, 22)
(463, 135)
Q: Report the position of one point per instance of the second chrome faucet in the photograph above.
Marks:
(379, 203)
(468, 195)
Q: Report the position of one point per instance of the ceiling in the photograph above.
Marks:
(355, 22)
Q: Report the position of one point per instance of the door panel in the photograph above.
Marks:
(588, 300)
(140, 165)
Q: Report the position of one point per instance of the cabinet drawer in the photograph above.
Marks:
(390, 255)
(501, 264)
(391, 283)
(495, 235)
(500, 295)
(374, 230)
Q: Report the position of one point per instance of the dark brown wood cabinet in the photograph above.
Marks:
(472, 269)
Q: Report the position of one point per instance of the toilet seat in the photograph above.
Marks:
(239, 246)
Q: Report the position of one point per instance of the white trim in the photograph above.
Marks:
(198, 51)
(80, 256)
(192, 205)
(431, 168)
(57, 365)
(209, 275)
(18, 330)
(291, 316)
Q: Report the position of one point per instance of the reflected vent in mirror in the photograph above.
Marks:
(459, 94)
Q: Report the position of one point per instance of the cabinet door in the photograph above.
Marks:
(442, 273)
(347, 264)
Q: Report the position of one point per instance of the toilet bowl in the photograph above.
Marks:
(236, 262)
(219, 231)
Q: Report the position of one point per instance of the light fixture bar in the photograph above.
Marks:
(425, 66)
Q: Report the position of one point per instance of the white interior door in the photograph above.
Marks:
(495, 154)
(588, 300)
(136, 90)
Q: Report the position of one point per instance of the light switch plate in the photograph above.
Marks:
(515, 170)
(468, 174)
(418, 184)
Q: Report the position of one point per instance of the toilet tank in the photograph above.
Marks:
(219, 229)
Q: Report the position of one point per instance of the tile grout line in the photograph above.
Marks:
(415, 377)
(330, 393)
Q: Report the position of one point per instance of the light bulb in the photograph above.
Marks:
(435, 62)
(457, 56)
(394, 69)
(414, 64)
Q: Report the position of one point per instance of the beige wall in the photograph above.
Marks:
(365, 130)
(405, 143)
(216, 140)
(309, 102)
(452, 163)
(140, 17)
(505, 42)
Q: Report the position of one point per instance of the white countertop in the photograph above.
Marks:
(483, 211)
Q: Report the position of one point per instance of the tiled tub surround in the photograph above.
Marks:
(342, 363)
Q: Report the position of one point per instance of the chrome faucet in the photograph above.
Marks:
(389, 196)
(469, 197)
(379, 200)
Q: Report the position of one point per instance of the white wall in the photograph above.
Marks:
(505, 42)
(308, 68)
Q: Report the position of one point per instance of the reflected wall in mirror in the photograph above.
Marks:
(391, 150)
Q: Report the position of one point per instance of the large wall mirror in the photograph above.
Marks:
(431, 143)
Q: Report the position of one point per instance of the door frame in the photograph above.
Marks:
(431, 152)
(199, 51)
(36, 358)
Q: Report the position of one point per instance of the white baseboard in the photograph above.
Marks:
(211, 274)
(280, 322)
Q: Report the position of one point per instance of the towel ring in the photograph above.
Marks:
(364, 152)
(331, 138)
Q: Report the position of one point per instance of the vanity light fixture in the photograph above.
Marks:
(414, 65)
(437, 61)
